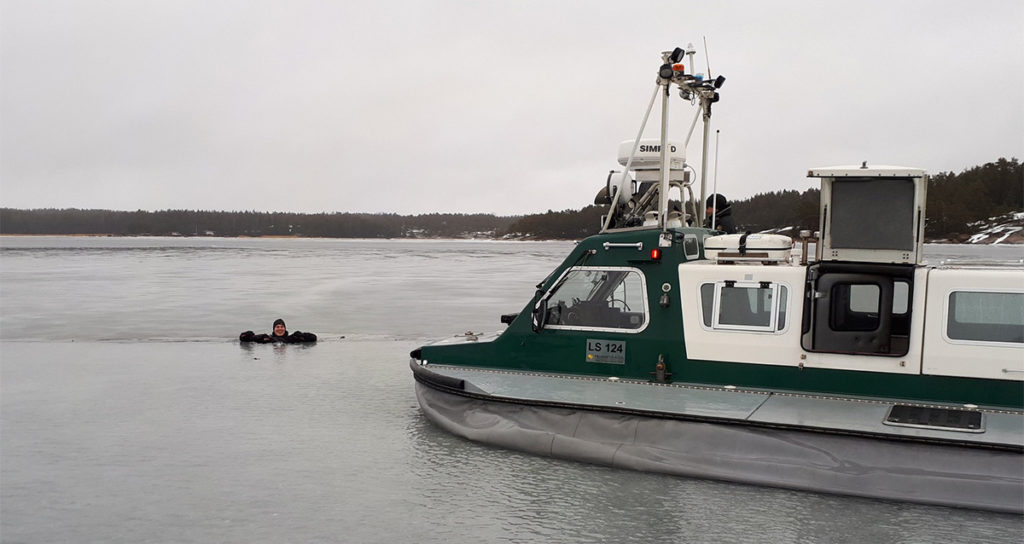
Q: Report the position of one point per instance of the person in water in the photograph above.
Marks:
(719, 208)
(279, 334)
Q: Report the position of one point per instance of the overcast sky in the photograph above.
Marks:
(496, 107)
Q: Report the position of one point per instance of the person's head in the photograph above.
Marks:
(279, 328)
(716, 203)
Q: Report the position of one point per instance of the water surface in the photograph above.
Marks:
(129, 412)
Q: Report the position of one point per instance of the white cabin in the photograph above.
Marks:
(867, 304)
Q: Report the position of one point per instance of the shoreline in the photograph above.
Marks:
(1014, 239)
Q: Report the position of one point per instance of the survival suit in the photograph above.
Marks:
(296, 337)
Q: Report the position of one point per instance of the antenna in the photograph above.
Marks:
(714, 189)
(718, 132)
(707, 58)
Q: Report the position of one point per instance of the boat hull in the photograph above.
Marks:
(948, 475)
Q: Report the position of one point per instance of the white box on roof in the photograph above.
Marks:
(767, 248)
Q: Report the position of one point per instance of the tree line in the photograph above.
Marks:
(955, 202)
(247, 223)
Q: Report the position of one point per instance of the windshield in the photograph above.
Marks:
(599, 298)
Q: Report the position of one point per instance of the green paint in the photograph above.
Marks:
(564, 351)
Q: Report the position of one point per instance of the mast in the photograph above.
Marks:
(690, 86)
(665, 78)
(706, 107)
(626, 211)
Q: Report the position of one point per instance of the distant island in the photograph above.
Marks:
(983, 204)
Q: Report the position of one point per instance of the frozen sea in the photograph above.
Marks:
(130, 413)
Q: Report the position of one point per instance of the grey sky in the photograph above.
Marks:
(497, 107)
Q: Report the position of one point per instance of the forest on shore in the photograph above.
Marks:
(958, 203)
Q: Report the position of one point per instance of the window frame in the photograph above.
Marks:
(628, 269)
(716, 324)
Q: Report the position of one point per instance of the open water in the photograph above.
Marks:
(130, 413)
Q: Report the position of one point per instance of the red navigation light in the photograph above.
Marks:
(656, 254)
(678, 67)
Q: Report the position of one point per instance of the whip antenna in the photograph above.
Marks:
(707, 58)
(714, 189)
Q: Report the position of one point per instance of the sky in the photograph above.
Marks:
(509, 108)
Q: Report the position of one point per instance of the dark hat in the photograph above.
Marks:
(279, 322)
(718, 202)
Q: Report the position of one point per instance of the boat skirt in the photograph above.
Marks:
(928, 473)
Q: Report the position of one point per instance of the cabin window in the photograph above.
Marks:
(986, 317)
(745, 306)
(691, 247)
(598, 298)
(855, 307)
(900, 297)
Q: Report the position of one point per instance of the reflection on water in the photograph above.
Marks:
(130, 414)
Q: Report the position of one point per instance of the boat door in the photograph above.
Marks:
(858, 308)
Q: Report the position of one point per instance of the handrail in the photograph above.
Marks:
(608, 245)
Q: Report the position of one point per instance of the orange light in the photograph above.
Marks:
(656, 254)
(678, 67)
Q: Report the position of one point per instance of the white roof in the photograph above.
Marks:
(865, 171)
